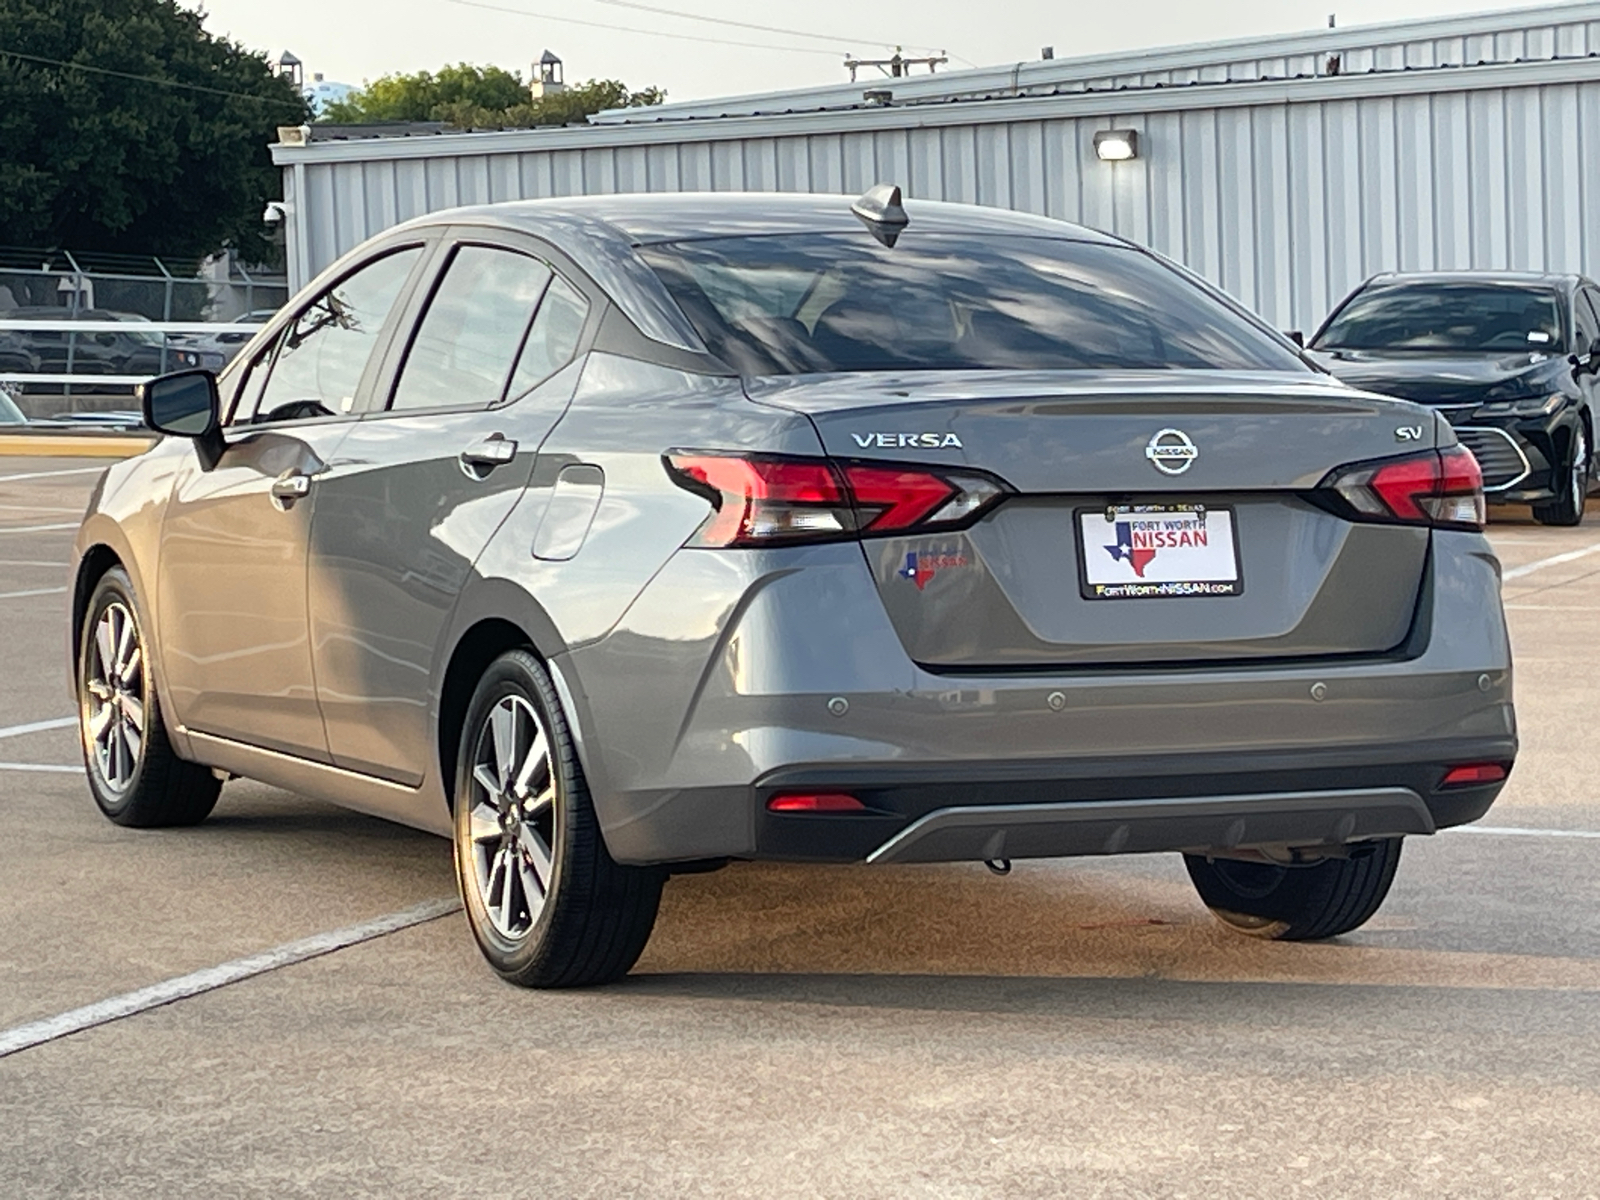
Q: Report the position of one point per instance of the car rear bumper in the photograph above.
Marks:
(1217, 803)
(732, 680)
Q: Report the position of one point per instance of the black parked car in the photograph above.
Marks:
(1510, 359)
(104, 352)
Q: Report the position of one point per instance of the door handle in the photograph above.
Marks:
(292, 485)
(478, 459)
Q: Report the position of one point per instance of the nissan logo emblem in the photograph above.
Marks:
(1171, 452)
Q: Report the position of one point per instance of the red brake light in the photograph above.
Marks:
(763, 500)
(1472, 774)
(1443, 488)
(1404, 485)
(815, 802)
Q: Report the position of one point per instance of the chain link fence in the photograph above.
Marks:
(48, 287)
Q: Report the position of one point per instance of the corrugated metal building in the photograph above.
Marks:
(1284, 169)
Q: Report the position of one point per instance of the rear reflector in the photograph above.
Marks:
(1473, 773)
(814, 802)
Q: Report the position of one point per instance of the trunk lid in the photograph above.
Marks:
(1086, 454)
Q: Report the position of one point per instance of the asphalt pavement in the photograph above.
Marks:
(1078, 1028)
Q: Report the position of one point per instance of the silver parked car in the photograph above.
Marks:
(621, 537)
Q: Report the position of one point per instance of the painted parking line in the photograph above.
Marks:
(1511, 831)
(11, 731)
(32, 592)
(32, 562)
(42, 768)
(50, 474)
(34, 508)
(36, 528)
(36, 1033)
(1552, 561)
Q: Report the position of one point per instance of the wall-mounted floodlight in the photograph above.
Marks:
(1116, 145)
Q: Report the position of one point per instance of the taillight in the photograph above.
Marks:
(762, 500)
(1443, 488)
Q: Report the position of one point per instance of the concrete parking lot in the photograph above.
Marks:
(1077, 1028)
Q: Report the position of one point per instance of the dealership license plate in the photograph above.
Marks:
(1146, 551)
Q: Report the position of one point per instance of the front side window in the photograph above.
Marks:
(1587, 319)
(320, 358)
(789, 305)
(1447, 315)
(475, 324)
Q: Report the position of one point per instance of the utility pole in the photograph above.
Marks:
(898, 66)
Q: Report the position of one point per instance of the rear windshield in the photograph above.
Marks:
(792, 305)
(1443, 315)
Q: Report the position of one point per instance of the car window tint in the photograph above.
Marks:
(1438, 314)
(323, 353)
(787, 305)
(462, 354)
(553, 339)
(1587, 318)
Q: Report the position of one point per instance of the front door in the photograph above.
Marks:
(421, 486)
(232, 576)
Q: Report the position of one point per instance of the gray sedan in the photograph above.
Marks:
(617, 538)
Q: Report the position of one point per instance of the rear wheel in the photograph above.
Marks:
(1572, 486)
(1298, 903)
(135, 777)
(546, 903)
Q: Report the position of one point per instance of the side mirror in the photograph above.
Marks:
(186, 404)
(1295, 336)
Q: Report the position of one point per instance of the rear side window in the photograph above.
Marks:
(472, 331)
(788, 305)
(553, 339)
(322, 355)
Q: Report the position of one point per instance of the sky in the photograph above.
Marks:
(352, 41)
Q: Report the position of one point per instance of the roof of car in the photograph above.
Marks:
(1524, 278)
(678, 216)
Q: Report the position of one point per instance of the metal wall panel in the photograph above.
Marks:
(1517, 35)
(1287, 202)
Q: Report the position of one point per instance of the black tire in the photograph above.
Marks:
(590, 922)
(146, 786)
(1576, 470)
(1297, 904)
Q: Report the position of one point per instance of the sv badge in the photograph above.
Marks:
(1408, 433)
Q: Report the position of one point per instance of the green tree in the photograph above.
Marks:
(469, 97)
(125, 126)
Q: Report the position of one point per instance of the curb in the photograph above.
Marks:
(69, 445)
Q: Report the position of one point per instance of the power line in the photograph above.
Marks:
(689, 16)
(155, 79)
(682, 37)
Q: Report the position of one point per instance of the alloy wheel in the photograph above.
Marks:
(512, 817)
(114, 696)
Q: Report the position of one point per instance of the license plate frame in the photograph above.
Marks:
(1116, 579)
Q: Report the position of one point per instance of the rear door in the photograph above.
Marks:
(232, 574)
(484, 372)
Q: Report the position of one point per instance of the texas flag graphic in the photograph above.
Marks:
(919, 569)
(1124, 551)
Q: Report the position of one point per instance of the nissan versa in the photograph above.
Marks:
(622, 537)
